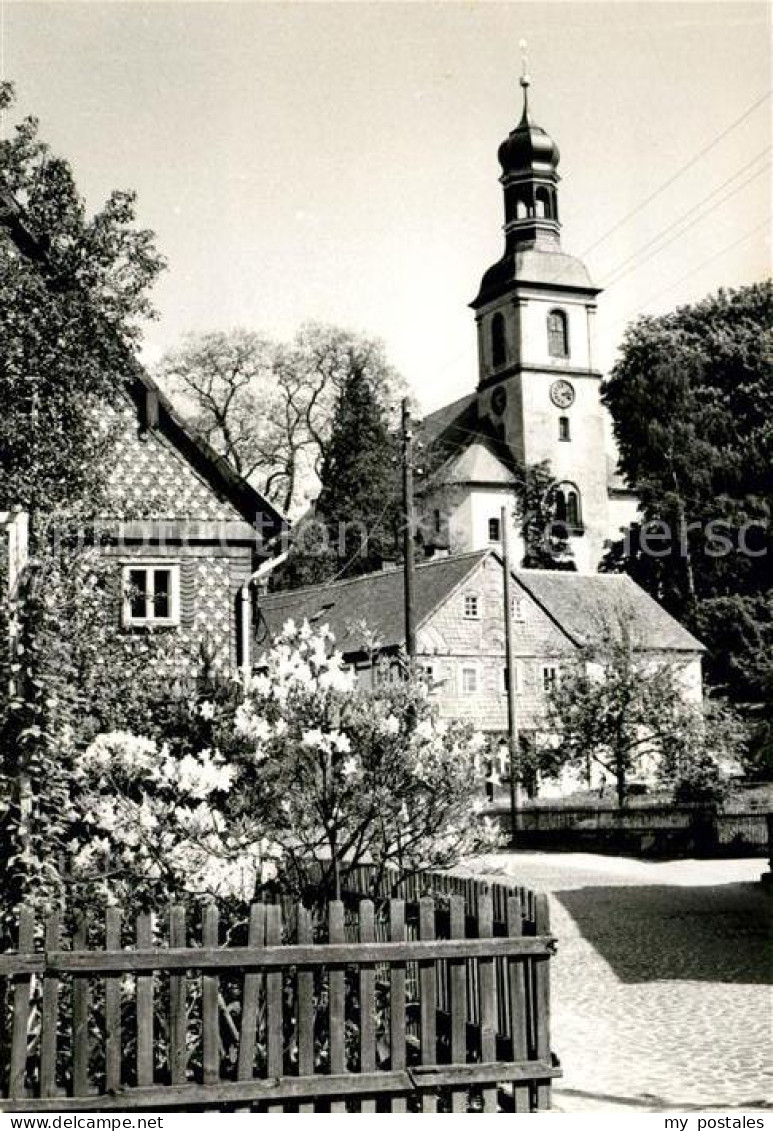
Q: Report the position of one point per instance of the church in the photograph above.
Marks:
(537, 399)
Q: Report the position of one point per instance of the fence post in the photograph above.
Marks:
(397, 1018)
(542, 1000)
(21, 1009)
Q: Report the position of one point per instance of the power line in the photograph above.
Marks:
(683, 278)
(675, 176)
(614, 278)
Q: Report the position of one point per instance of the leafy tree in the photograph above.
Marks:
(72, 291)
(356, 520)
(618, 708)
(545, 538)
(692, 404)
(267, 406)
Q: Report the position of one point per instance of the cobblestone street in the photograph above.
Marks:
(661, 986)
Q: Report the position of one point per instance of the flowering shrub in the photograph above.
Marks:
(345, 776)
(294, 783)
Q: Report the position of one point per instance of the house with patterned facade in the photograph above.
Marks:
(185, 534)
(459, 608)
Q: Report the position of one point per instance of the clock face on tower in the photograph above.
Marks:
(562, 393)
(499, 400)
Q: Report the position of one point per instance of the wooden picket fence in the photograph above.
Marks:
(439, 1002)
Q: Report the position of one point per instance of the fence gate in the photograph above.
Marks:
(427, 1004)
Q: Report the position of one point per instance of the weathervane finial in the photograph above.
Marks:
(524, 80)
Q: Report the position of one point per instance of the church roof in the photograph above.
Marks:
(476, 463)
(581, 605)
(541, 268)
(457, 416)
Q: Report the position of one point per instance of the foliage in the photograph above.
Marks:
(72, 289)
(545, 539)
(692, 404)
(298, 782)
(268, 406)
(76, 675)
(356, 520)
(619, 708)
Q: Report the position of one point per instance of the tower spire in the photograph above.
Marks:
(525, 80)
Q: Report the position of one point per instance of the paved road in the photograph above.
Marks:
(662, 983)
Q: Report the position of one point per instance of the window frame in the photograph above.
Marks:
(150, 567)
(469, 668)
(564, 429)
(498, 331)
(495, 523)
(549, 681)
(565, 351)
(467, 615)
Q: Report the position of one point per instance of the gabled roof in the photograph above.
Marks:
(210, 465)
(582, 604)
(375, 600)
(459, 416)
(476, 463)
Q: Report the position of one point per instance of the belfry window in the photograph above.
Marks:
(543, 204)
(558, 334)
(498, 342)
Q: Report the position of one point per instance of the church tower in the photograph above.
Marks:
(538, 388)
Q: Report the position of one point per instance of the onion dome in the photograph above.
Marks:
(528, 149)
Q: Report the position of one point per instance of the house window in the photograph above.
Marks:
(564, 432)
(498, 342)
(469, 680)
(494, 533)
(438, 522)
(558, 334)
(517, 606)
(426, 673)
(471, 607)
(151, 596)
(549, 678)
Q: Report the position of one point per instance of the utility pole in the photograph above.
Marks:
(512, 715)
(408, 532)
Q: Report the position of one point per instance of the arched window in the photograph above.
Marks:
(498, 342)
(558, 334)
(542, 200)
(521, 209)
(568, 507)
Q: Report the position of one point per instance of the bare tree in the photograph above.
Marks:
(268, 407)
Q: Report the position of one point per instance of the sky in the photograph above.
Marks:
(337, 161)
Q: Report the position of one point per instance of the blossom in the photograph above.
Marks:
(207, 710)
(341, 743)
(349, 767)
(313, 738)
